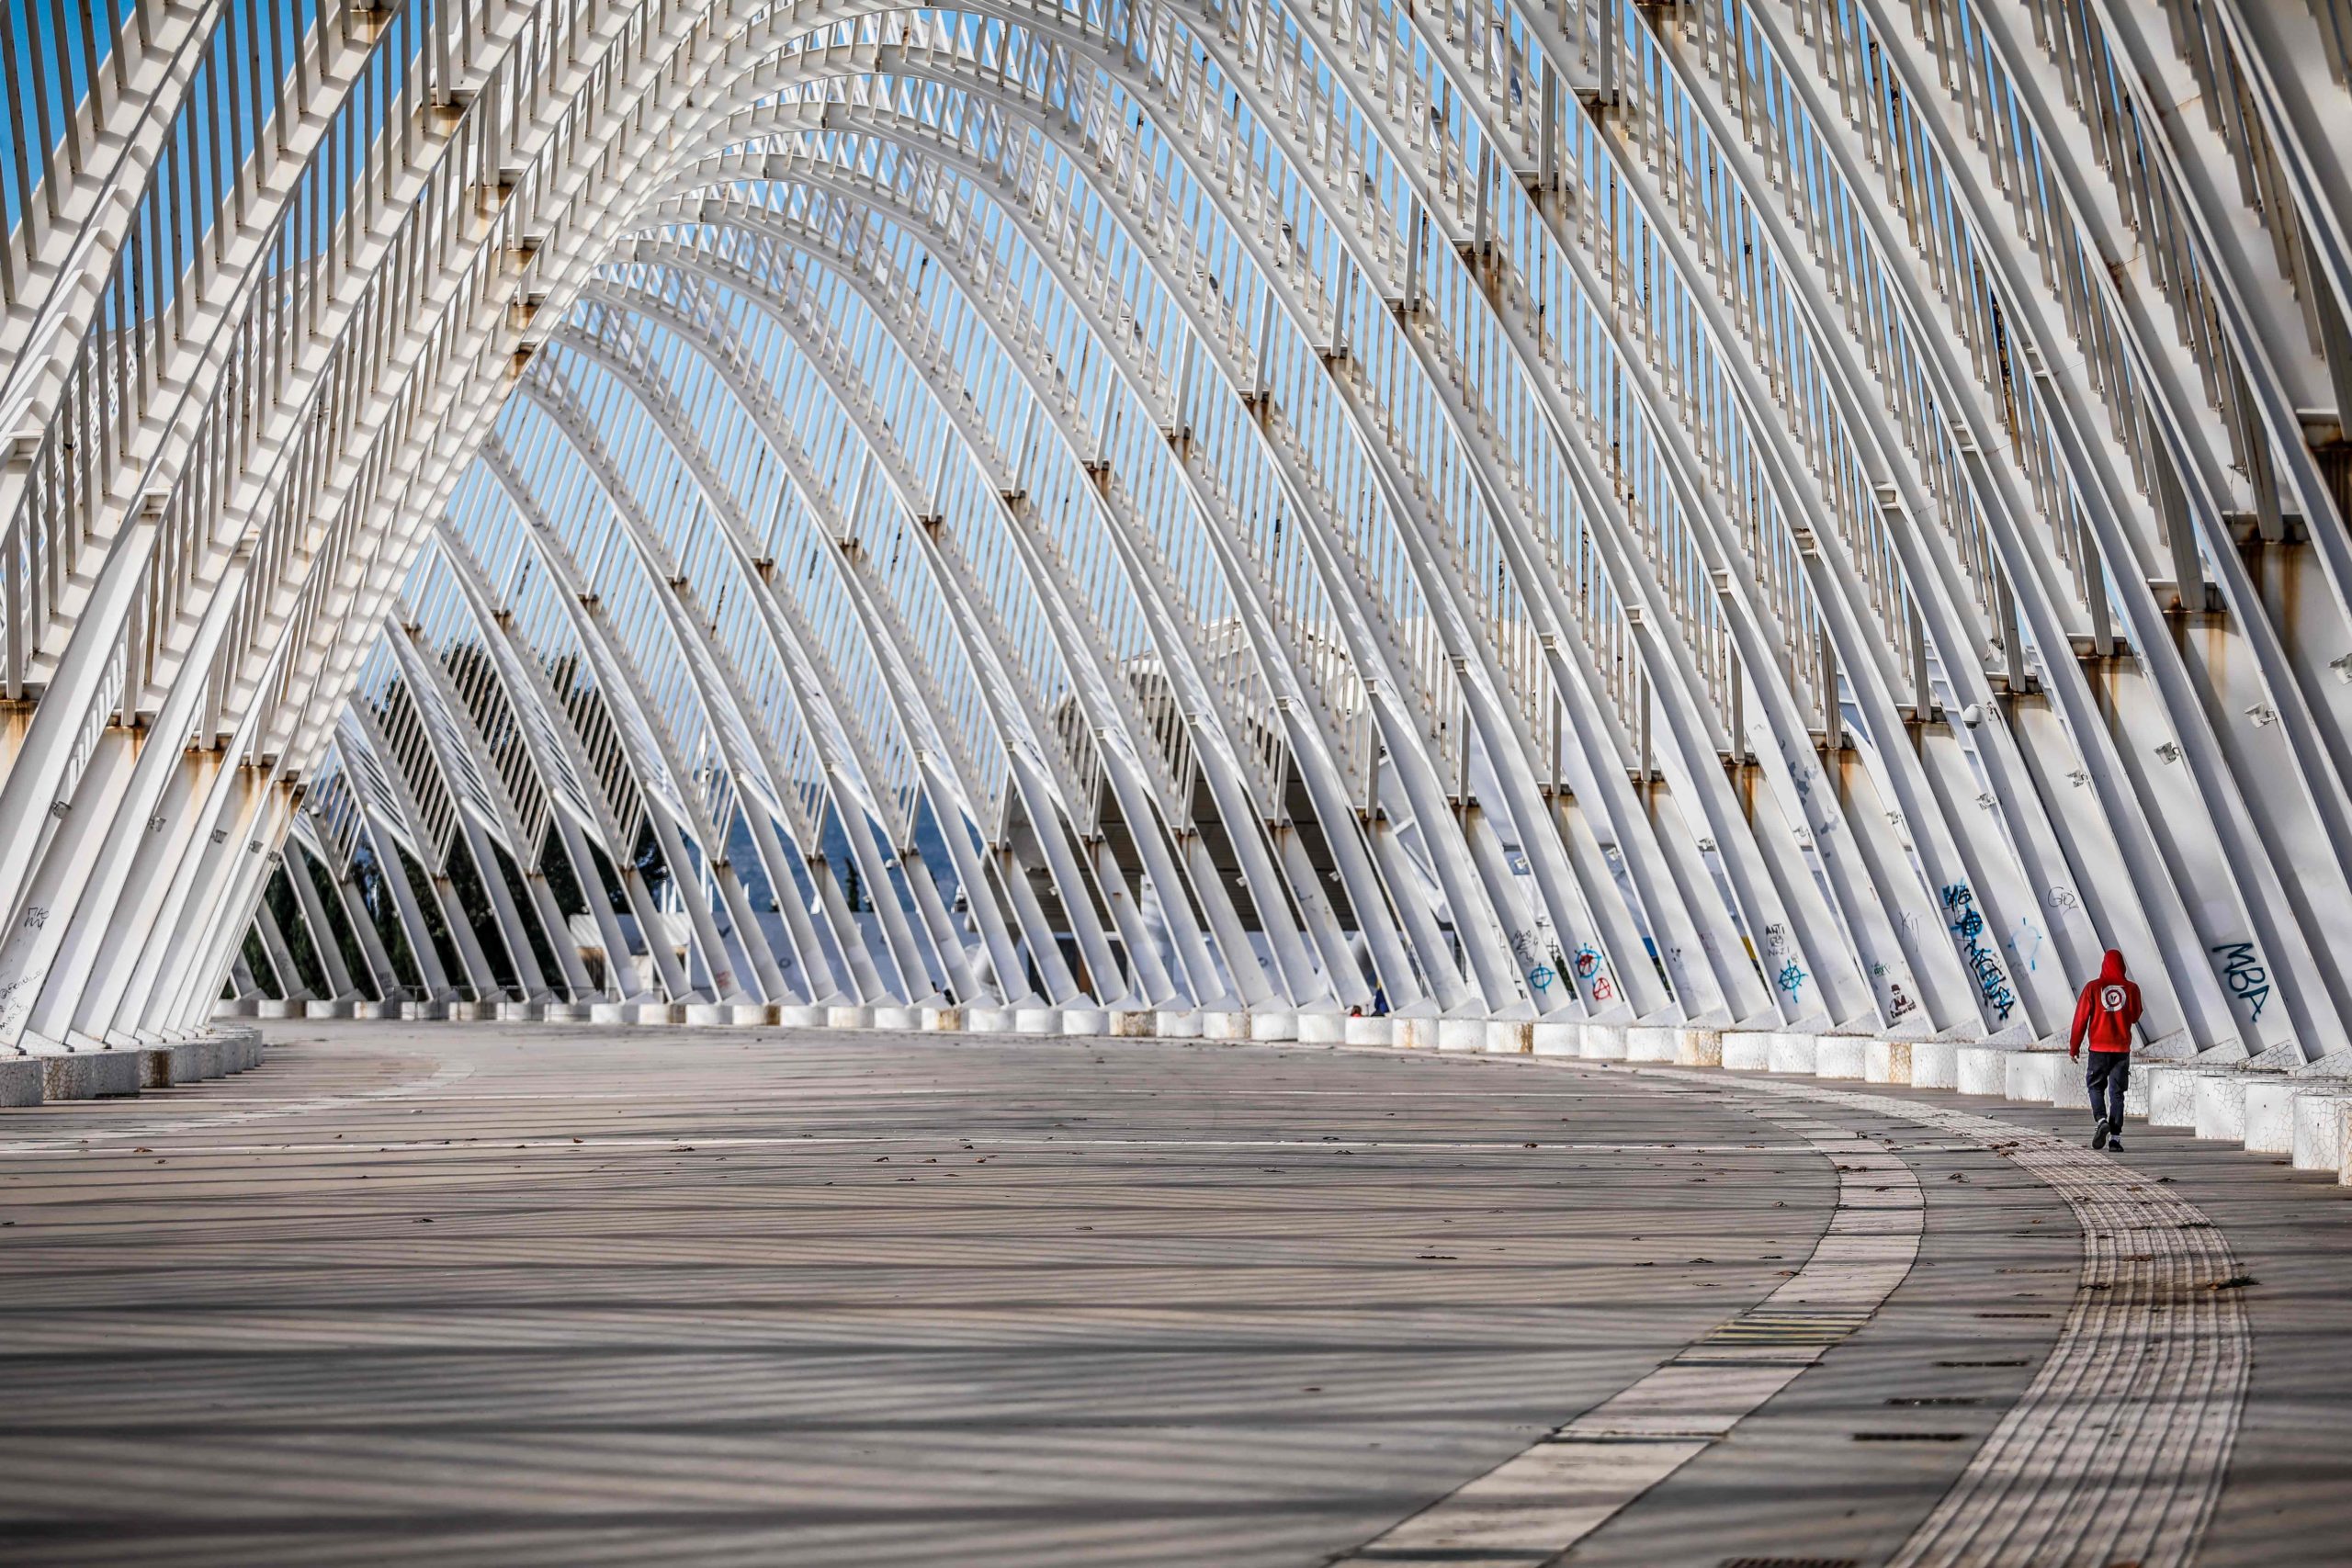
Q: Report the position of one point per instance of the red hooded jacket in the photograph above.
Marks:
(2106, 1010)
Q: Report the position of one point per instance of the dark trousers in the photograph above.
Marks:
(2108, 1073)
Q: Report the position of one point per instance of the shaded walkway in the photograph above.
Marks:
(476, 1295)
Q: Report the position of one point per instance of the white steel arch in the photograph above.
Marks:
(1790, 515)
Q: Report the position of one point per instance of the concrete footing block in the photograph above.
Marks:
(272, 1006)
(611, 1014)
(2171, 1094)
(565, 1012)
(1462, 1035)
(2270, 1116)
(1322, 1028)
(1273, 1023)
(422, 1012)
(897, 1019)
(1605, 1042)
(848, 1015)
(801, 1015)
(1645, 1042)
(2036, 1076)
(315, 1007)
(89, 1075)
(1226, 1026)
(1139, 1023)
(154, 1066)
(1796, 1054)
(1935, 1063)
(1747, 1050)
(1371, 1031)
(707, 1015)
(1699, 1047)
(21, 1080)
(1092, 1022)
(2320, 1118)
(1510, 1038)
(193, 1061)
(940, 1019)
(1886, 1061)
(1038, 1020)
(1416, 1033)
(2221, 1106)
(521, 1012)
(1842, 1057)
(1556, 1039)
(1178, 1023)
(1985, 1070)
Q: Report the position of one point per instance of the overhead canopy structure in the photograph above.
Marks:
(1788, 514)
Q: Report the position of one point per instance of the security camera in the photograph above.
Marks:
(1972, 716)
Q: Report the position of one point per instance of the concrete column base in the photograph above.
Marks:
(1225, 1026)
(1985, 1070)
(1604, 1042)
(317, 1009)
(801, 1016)
(899, 1020)
(2035, 1077)
(1843, 1056)
(89, 1075)
(419, 1012)
(943, 1020)
(1645, 1043)
(1369, 1031)
(1462, 1035)
(269, 1007)
(2221, 1107)
(1886, 1061)
(1093, 1022)
(193, 1061)
(21, 1080)
(1510, 1039)
(2270, 1116)
(1178, 1023)
(2172, 1093)
(1321, 1029)
(848, 1015)
(565, 1012)
(1416, 1033)
(1140, 1024)
(1699, 1047)
(1799, 1053)
(154, 1066)
(1935, 1063)
(1557, 1040)
(1747, 1051)
(2320, 1119)
(1277, 1024)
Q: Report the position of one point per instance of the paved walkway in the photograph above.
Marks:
(533, 1295)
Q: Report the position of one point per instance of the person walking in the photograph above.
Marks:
(2104, 1015)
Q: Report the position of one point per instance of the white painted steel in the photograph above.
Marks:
(1749, 530)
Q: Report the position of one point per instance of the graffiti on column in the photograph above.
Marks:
(1992, 979)
(2243, 973)
(1587, 968)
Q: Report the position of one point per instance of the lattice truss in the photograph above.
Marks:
(1801, 514)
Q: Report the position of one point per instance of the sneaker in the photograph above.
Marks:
(2115, 1144)
(2098, 1134)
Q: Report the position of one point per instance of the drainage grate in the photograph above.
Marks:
(1910, 1436)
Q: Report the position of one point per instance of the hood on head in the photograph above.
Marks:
(2112, 966)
